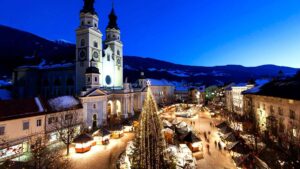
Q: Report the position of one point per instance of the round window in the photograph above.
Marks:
(108, 80)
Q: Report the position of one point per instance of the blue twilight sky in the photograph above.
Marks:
(193, 32)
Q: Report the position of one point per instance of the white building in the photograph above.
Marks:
(237, 97)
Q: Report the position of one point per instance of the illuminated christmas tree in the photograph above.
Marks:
(150, 146)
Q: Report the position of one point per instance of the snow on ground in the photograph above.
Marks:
(4, 83)
(43, 65)
(29, 57)
(5, 94)
(129, 68)
(63, 102)
(200, 74)
(216, 73)
(178, 73)
(152, 69)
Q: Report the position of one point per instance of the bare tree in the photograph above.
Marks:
(45, 157)
(68, 126)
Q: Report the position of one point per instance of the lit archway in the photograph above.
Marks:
(118, 108)
(109, 109)
(95, 125)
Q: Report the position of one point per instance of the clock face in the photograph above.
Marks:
(108, 80)
(95, 56)
(82, 55)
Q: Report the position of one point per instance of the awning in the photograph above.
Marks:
(101, 132)
(83, 138)
(222, 125)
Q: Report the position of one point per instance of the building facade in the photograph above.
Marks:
(237, 97)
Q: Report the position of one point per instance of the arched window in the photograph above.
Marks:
(96, 79)
(82, 42)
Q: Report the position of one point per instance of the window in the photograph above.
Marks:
(292, 114)
(271, 110)
(95, 25)
(95, 44)
(88, 79)
(2, 130)
(118, 52)
(38, 122)
(82, 42)
(280, 111)
(52, 120)
(96, 79)
(82, 23)
(68, 116)
(89, 22)
(25, 125)
(108, 57)
(94, 106)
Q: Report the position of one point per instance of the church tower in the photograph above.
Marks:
(88, 44)
(113, 41)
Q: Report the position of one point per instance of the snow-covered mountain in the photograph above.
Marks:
(20, 48)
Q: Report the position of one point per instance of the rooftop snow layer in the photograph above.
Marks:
(63, 103)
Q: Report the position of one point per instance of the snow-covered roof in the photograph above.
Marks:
(256, 88)
(182, 88)
(63, 103)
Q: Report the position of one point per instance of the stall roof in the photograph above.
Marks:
(83, 138)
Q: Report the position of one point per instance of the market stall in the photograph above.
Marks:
(83, 143)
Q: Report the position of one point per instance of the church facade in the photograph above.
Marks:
(96, 78)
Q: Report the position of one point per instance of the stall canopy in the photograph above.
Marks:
(222, 125)
(83, 138)
(250, 161)
(191, 138)
(167, 124)
(101, 132)
(230, 137)
(116, 128)
(238, 147)
(225, 129)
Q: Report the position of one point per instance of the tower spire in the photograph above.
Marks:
(112, 18)
(88, 7)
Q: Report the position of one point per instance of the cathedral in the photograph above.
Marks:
(96, 78)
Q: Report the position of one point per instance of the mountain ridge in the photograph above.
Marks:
(20, 48)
